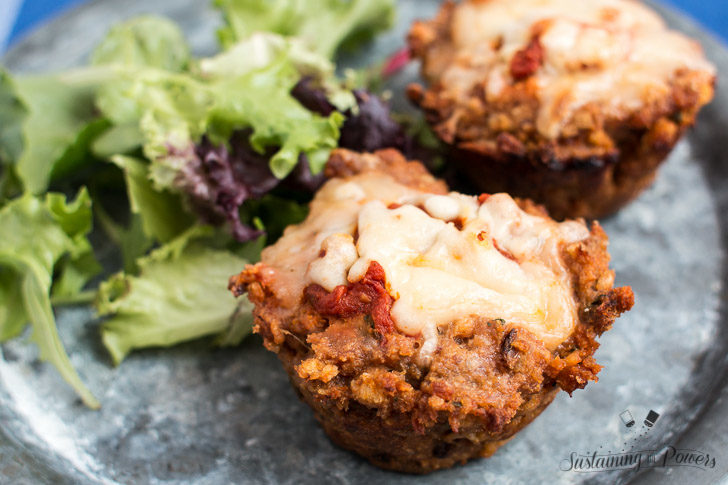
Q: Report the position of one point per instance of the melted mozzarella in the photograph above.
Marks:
(438, 273)
(617, 53)
(337, 255)
(500, 263)
(334, 210)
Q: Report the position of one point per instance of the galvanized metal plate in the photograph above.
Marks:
(195, 414)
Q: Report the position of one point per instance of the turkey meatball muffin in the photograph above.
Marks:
(573, 103)
(426, 327)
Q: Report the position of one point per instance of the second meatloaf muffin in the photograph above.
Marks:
(572, 103)
(423, 327)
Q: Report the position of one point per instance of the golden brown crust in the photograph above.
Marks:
(600, 160)
(477, 122)
(345, 163)
(486, 380)
(599, 304)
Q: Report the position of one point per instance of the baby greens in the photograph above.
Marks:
(213, 157)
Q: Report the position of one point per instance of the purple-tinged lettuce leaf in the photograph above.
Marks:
(221, 179)
(218, 180)
(368, 127)
(231, 131)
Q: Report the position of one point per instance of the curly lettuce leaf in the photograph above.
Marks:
(247, 88)
(145, 41)
(325, 26)
(280, 121)
(232, 130)
(258, 51)
(264, 48)
(37, 235)
(147, 311)
(48, 123)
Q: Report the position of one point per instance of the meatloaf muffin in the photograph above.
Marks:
(573, 103)
(423, 327)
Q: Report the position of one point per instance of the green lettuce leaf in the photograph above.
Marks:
(274, 214)
(145, 41)
(131, 240)
(280, 121)
(162, 214)
(180, 294)
(52, 137)
(142, 42)
(13, 317)
(12, 115)
(262, 49)
(325, 25)
(60, 126)
(118, 140)
(247, 88)
(37, 234)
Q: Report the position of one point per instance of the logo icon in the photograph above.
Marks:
(651, 418)
(627, 418)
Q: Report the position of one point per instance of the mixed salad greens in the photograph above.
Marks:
(187, 166)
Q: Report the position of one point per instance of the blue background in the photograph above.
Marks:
(712, 14)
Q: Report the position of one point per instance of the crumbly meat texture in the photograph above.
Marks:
(598, 158)
(509, 122)
(485, 380)
(345, 163)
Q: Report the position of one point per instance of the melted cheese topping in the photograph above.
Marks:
(497, 262)
(617, 53)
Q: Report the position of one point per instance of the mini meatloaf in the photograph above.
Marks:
(572, 103)
(423, 327)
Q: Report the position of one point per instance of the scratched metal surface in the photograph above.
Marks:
(201, 415)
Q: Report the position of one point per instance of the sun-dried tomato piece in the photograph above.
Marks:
(527, 60)
(367, 296)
